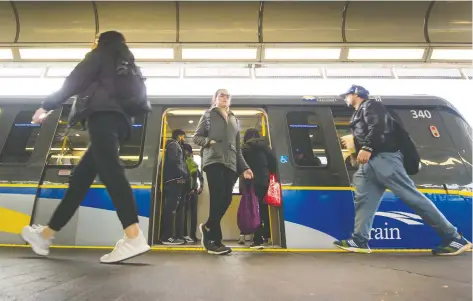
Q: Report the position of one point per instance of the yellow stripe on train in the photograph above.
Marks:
(333, 188)
(13, 221)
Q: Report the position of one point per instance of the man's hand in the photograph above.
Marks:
(199, 191)
(363, 156)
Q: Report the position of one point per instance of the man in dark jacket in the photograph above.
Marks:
(381, 167)
(175, 177)
(108, 125)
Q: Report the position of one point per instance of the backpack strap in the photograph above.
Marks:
(206, 130)
(237, 123)
(207, 121)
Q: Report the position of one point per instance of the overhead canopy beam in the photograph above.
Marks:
(250, 24)
(238, 22)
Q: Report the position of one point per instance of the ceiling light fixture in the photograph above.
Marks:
(18, 72)
(302, 54)
(452, 54)
(53, 53)
(6, 54)
(219, 54)
(153, 53)
(385, 54)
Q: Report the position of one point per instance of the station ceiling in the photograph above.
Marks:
(313, 28)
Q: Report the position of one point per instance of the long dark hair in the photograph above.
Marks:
(115, 41)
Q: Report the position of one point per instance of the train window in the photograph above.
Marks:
(21, 140)
(342, 117)
(70, 144)
(441, 163)
(307, 139)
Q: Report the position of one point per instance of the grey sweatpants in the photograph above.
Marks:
(386, 171)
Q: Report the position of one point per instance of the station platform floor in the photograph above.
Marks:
(76, 274)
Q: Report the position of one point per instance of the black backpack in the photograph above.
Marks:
(130, 88)
(408, 149)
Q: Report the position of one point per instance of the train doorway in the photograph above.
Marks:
(187, 119)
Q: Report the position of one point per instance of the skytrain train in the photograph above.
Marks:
(314, 170)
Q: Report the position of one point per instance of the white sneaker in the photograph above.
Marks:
(189, 239)
(32, 235)
(127, 248)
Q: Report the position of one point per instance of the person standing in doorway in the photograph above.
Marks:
(262, 162)
(175, 176)
(193, 188)
(108, 126)
(218, 134)
(381, 167)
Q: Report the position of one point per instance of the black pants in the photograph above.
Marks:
(172, 204)
(220, 181)
(191, 215)
(106, 131)
(263, 230)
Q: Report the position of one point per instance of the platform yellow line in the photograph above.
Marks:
(200, 249)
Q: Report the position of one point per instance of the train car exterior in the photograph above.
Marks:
(313, 170)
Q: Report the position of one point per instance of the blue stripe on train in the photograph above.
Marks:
(95, 197)
(395, 226)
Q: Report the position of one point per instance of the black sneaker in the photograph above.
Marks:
(453, 247)
(257, 246)
(222, 245)
(353, 245)
(173, 241)
(218, 249)
(205, 239)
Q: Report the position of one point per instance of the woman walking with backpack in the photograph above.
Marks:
(218, 134)
(108, 126)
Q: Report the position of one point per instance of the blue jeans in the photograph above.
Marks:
(386, 171)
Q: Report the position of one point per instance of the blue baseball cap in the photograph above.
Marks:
(357, 90)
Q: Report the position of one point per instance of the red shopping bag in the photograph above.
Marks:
(273, 197)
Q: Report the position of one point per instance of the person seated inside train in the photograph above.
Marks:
(193, 189)
(175, 177)
(262, 162)
(306, 158)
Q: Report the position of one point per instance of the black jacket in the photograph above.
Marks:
(92, 82)
(175, 167)
(261, 160)
(373, 128)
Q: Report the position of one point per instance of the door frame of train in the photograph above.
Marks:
(276, 214)
(155, 122)
(332, 177)
(20, 174)
(277, 233)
